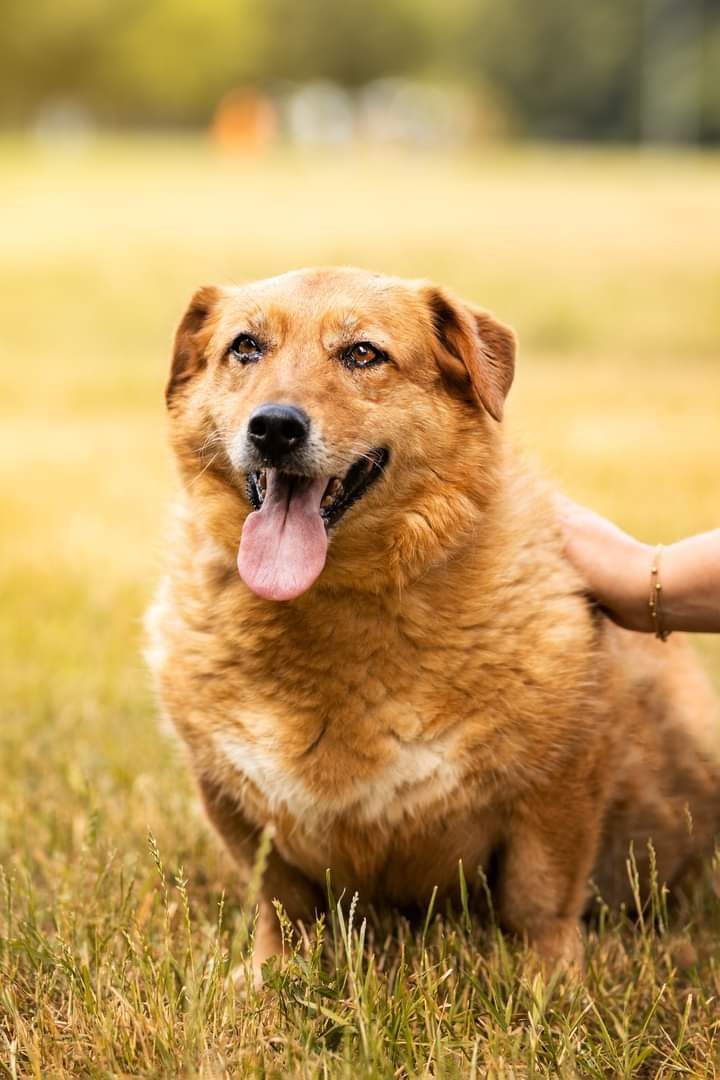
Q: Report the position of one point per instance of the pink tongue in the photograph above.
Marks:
(284, 543)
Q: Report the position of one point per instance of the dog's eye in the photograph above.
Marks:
(362, 355)
(246, 349)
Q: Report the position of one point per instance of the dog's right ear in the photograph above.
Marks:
(476, 352)
(188, 351)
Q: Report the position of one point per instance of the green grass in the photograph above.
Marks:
(115, 947)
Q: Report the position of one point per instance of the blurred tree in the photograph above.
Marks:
(153, 61)
(47, 50)
(565, 69)
(620, 69)
(173, 59)
(710, 80)
(350, 42)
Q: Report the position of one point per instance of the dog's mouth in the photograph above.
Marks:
(284, 542)
(340, 493)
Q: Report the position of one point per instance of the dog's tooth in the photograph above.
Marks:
(331, 492)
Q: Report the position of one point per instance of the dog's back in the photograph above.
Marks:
(666, 790)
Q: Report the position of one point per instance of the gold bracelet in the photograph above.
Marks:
(655, 603)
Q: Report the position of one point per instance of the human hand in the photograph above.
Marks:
(615, 566)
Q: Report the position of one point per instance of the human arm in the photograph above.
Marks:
(616, 568)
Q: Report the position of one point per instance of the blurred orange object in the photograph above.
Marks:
(245, 120)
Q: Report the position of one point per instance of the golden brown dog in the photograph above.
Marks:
(405, 672)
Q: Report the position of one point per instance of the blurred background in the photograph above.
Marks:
(555, 162)
(409, 71)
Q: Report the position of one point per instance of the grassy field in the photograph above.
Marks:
(118, 913)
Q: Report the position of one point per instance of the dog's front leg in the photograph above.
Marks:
(280, 881)
(543, 883)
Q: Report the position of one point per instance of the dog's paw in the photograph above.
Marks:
(250, 976)
(267, 945)
(558, 948)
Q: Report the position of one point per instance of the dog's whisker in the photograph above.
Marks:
(366, 454)
(205, 468)
(213, 438)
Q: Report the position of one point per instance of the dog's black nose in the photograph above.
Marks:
(276, 430)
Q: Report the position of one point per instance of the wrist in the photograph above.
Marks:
(638, 568)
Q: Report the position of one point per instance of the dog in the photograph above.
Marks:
(368, 638)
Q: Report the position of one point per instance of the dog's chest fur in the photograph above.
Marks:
(379, 820)
(339, 776)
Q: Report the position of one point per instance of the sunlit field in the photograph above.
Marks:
(115, 939)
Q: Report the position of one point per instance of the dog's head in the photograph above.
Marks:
(341, 409)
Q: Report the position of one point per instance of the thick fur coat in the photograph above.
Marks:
(443, 691)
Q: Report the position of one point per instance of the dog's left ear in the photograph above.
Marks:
(476, 353)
